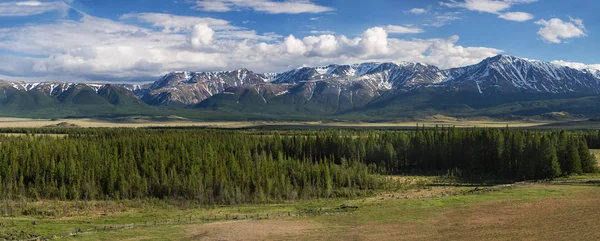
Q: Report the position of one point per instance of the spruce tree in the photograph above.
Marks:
(549, 166)
(588, 160)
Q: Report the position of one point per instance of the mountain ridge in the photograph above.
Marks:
(325, 90)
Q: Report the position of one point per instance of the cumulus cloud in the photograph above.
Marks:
(93, 48)
(324, 45)
(29, 8)
(201, 35)
(493, 6)
(402, 29)
(294, 46)
(375, 41)
(267, 6)
(556, 30)
(516, 16)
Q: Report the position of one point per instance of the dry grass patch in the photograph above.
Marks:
(181, 122)
(445, 123)
(554, 217)
(551, 218)
(252, 230)
(67, 209)
(425, 192)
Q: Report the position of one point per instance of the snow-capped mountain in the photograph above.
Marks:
(512, 74)
(49, 88)
(341, 87)
(384, 74)
(50, 99)
(194, 87)
(594, 72)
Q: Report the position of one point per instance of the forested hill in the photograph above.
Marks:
(226, 167)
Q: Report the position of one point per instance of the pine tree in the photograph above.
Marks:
(573, 159)
(588, 160)
(549, 166)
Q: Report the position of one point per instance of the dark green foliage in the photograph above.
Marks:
(230, 167)
(120, 97)
(548, 166)
(212, 167)
(588, 160)
(79, 101)
(568, 153)
(81, 95)
(31, 100)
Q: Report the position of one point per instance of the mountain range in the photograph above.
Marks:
(497, 86)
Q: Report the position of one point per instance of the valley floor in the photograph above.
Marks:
(181, 122)
(423, 210)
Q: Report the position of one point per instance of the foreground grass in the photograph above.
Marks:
(532, 211)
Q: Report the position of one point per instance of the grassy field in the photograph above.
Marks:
(416, 210)
(182, 122)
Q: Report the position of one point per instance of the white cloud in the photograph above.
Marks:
(170, 23)
(267, 6)
(294, 46)
(446, 54)
(321, 32)
(556, 30)
(489, 6)
(324, 45)
(375, 42)
(93, 48)
(213, 6)
(576, 65)
(517, 16)
(493, 6)
(29, 8)
(201, 36)
(175, 23)
(402, 29)
(444, 19)
(418, 11)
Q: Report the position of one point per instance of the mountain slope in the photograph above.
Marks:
(191, 88)
(66, 99)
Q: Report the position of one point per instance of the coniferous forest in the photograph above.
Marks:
(231, 167)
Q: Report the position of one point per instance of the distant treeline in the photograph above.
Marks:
(472, 153)
(230, 167)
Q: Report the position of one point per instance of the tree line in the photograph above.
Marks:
(211, 167)
(492, 153)
(231, 167)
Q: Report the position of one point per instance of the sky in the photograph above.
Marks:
(140, 40)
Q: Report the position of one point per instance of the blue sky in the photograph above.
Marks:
(116, 40)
